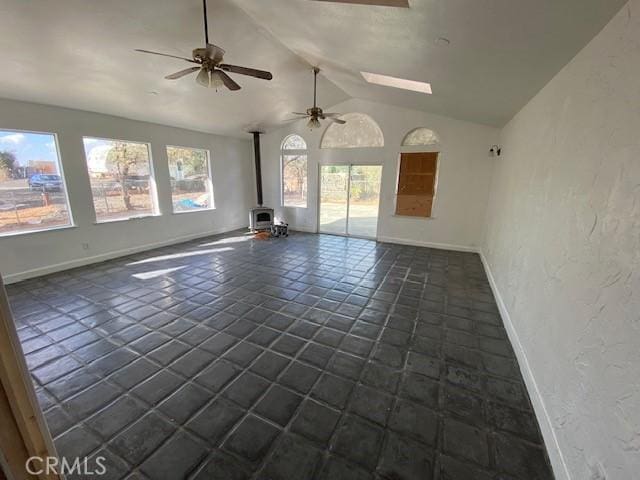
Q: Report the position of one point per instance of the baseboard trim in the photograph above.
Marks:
(556, 457)
(294, 228)
(80, 262)
(418, 243)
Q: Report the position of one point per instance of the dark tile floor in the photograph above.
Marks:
(310, 357)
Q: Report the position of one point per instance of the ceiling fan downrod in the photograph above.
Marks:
(206, 26)
(316, 70)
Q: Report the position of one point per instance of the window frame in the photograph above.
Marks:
(153, 189)
(292, 153)
(433, 145)
(209, 180)
(72, 223)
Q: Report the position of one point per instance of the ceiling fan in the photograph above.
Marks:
(212, 72)
(315, 113)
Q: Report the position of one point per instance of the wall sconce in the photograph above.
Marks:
(495, 151)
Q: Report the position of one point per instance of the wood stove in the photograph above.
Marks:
(260, 218)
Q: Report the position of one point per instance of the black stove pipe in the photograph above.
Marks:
(256, 157)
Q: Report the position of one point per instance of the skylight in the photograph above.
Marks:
(395, 82)
(379, 3)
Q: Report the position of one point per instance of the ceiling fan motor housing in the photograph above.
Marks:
(314, 112)
(199, 54)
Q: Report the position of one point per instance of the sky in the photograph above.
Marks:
(90, 143)
(97, 150)
(29, 146)
(42, 146)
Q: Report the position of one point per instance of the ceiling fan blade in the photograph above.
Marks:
(226, 79)
(336, 120)
(164, 55)
(332, 114)
(182, 73)
(203, 78)
(299, 113)
(252, 72)
(215, 53)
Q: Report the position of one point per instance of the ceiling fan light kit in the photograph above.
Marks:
(313, 123)
(203, 77)
(211, 70)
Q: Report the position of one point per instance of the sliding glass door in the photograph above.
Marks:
(334, 198)
(364, 199)
(349, 199)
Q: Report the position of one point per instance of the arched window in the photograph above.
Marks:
(360, 131)
(294, 142)
(418, 173)
(293, 162)
(420, 136)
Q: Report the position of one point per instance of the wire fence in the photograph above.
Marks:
(109, 200)
(24, 207)
(334, 187)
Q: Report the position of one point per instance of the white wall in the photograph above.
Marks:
(463, 181)
(563, 245)
(22, 256)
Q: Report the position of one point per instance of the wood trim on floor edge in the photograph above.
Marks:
(302, 229)
(556, 457)
(27, 434)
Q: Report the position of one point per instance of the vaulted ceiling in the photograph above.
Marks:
(501, 52)
(79, 54)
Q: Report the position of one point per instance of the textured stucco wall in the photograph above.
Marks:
(563, 244)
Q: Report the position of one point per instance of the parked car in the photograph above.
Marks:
(46, 182)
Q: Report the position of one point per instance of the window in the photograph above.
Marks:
(294, 172)
(360, 131)
(32, 188)
(121, 179)
(294, 142)
(420, 136)
(191, 187)
(416, 184)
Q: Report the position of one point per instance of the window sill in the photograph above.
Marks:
(116, 220)
(38, 230)
(195, 210)
(295, 206)
(413, 216)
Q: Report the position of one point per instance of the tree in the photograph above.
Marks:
(194, 162)
(122, 159)
(294, 170)
(7, 164)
